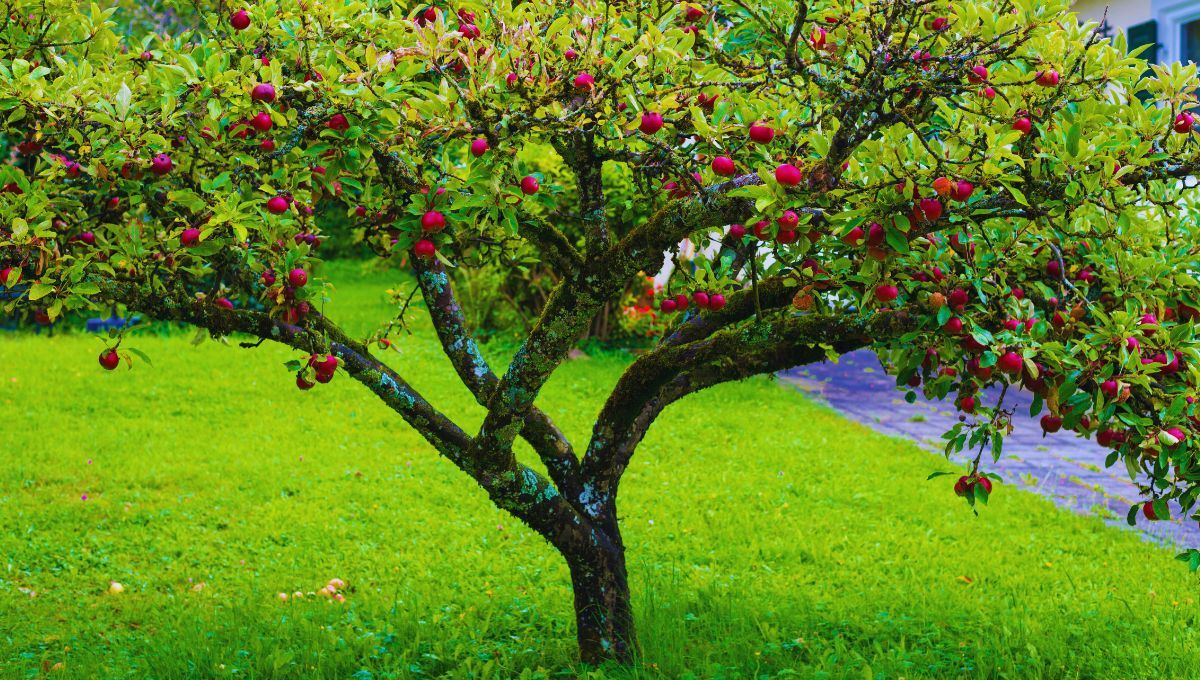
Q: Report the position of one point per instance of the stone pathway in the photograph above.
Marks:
(1068, 469)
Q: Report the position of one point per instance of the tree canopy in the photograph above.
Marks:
(984, 192)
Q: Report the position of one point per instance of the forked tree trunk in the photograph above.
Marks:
(603, 616)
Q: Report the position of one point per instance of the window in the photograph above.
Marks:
(1189, 41)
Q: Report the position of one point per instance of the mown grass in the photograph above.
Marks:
(767, 537)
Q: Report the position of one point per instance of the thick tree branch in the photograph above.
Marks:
(673, 371)
(458, 344)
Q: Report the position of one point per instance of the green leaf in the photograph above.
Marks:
(141, 355)
(40, 290)
(124, 96)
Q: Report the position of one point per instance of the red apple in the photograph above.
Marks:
(261, 121)
(277, 205)
(433, 221)
(240, 20)
(788, 175)
(263, 92)
(424, 249)
(723, 165)
(1184, 122)
(161, 164)
(761, 134)
(585, 81)
(651, 123)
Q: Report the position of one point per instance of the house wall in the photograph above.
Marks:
(1121, 13)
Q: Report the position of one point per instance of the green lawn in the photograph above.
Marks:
(767, 535)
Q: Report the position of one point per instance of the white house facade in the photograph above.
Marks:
(1171, 26)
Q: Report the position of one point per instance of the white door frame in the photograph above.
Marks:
(1171, 15)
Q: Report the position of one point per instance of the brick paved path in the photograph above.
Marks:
(1068, 469)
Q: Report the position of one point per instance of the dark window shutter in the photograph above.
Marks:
(1144, 34)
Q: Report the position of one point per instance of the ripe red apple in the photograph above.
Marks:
(788, 220)
(978, 74)
(302, 383)
(433, 221)
(701, 299)
(190, 237)
(277, 205)
(297, 278)
(512, 79)
(161, 164)
(651, 123)
(338, 123)
(787, 236)
(716, 301)
(929, 209)
(1010, 362)
(761, 134)
(267, 145)
(1051, 423)
(1023, 125)
(585, 81)
(1184, 122)
(224, 302)
(962, 190)
(1053, 269)
(886, 292)
(963, 483)
(988, 92)
(1148, 511)
(424, 249)
(240, 20)
(723, 166)
(788, 175)
(479, 147)
(470, 31)
(967, 404)
(953, 326)
(737, 231)
(876, 234)
(261, 121)
(667, 305)
(88, 238)
(109, 359)
(958, 299)
(1047, 78)
(263, 92)
(854, 237)
(529, 185)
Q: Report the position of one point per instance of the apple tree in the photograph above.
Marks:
(987, 193)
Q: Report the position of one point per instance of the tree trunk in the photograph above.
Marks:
(604, 620)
